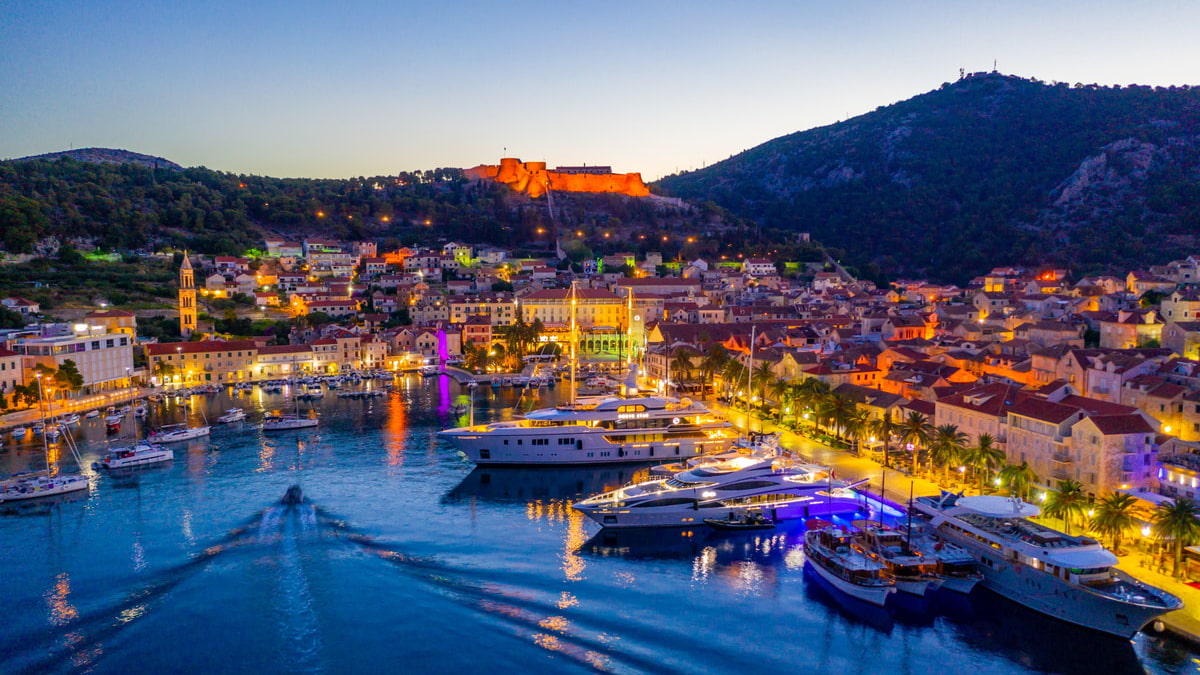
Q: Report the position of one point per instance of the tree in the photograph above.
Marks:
(838, 409)
(163, 370)
(983, 457)
(858, 424)
(1068, 502)
(1179, 522)
(947, 446)
(916, 431)
(519, 337)
(884, 428)
(714, 361)
(68, 377)
(1114, 515)
(1019, 478)
(762, 376)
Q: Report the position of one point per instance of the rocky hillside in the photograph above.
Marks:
(988, 170)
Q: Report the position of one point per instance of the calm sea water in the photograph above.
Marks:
(408, 559)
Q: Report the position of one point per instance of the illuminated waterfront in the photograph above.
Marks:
(414, 560)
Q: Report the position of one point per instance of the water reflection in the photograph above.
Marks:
(511, 484)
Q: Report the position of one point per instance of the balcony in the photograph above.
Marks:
(1062, 458)
(1061, 473)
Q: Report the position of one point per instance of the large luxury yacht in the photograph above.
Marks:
(1073, 579)
(777, 487)
(598, 430)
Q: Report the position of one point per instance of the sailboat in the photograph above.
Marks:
(287, 422)
(139, 454)
(42, 483)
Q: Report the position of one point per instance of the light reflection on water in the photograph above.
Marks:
(409, 544)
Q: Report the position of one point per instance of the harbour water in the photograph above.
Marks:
(406, 558)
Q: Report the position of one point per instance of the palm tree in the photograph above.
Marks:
(682, 366)
(946, 447)
(1019, 478)
(733, 375)
(713, 362)
(1178, 521)
(884, 428)
(1068, 502)
(983, 457)
(838, 409)
(781, 390)
(858, 424)
(762, 376)
(1114, 515)
(916, 430)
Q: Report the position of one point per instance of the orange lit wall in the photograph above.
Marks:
(533, 179)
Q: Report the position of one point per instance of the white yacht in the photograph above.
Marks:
(287, 422)
(173, 433)
(1073, 579)
(602, 430)
(41, 485)
(141, 454)
(778, 488)
(68, 418)
(232, 415)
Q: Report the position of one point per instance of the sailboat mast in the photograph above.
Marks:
(750, 378)
(574, 342)
(42, 410)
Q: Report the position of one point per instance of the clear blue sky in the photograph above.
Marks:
(336, 89)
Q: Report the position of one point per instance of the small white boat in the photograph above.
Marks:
(288, 422)
(113, 423)
(52, 433)
(140, 411)
(232, 415)
(141, 454)
(174, 433)
(92, 414)
(19, 433)
(69, 418)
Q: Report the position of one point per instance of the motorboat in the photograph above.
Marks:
(429, 371)
(68, 418)
(52, 433)
(1070, 578)
(777, 487)
(174, 433)
(955, 567)
(835, 556)
(288, 422)
(112, 423)
(754, 520)
(92, 414)
(602, 430)
(914, 572)
(140, 454)
(232, 415)
(19, 433)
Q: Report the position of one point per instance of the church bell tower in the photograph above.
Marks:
(187, 298)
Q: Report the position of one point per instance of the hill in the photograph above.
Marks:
(120, 200)
(989, 170)
(109, 156)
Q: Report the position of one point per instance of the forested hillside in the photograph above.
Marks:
(985, 171)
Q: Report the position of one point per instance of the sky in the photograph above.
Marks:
(356, 88)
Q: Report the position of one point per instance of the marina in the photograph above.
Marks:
(392, 518)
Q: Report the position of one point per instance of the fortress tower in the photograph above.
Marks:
(187, 298)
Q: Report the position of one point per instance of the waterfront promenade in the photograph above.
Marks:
(1184, 622)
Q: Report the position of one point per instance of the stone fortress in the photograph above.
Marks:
(534, 179)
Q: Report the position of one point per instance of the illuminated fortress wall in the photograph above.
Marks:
(533, 179)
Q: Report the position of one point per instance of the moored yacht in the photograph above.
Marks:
(777, 487)
(287, 422)
(601, 430)
(141, 454)
(1071, 578)
(173, 433)
(41, 485)
(232, 415)
(914, 572)
(836, 557)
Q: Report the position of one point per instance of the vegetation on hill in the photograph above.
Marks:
(134, 205)
(986, 171)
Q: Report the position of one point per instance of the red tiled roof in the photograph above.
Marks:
(199, 347)
(1122, 424)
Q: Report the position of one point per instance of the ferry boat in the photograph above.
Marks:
(141, 454)
(1071, 578)
(174, 433)
(288, 422)
(232, 415)
(602, 430)
(836, 557)
(779, 488)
